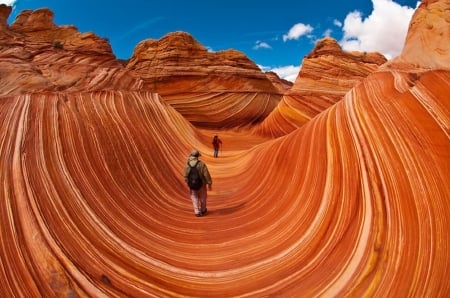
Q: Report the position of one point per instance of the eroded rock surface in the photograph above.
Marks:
(327, 73)
(36, 55)
(227, 89)
(93, 202)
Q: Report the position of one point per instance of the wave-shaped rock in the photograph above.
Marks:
(352, 203)
(40, 56)
(327, 73)
(178, 56)
(211, 89)
(96, 200)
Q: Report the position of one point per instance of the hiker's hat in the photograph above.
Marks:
(195, 153)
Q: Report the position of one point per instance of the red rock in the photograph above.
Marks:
(5, 11)
(427, 43)
(161, 63)
(41, 56)
(281, 84)
(326, 75)
(227, 89)
(31, 21)
(93, 202)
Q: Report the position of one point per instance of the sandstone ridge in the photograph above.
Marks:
(37, 55)
(327, 74)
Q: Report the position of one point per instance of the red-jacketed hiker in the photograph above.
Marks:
(217, 143)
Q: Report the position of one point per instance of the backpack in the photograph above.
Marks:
(194, 179)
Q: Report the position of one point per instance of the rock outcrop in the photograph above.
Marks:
(210, 89)
(93, 202)
(427, 43)
(281, 84)
(36, 55)
(327, 73)
(5, 11)
(176, 57)
(40, 56)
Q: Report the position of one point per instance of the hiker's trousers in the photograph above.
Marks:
(198, 198)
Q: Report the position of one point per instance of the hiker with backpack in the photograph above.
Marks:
(217, 143)
(197, 177)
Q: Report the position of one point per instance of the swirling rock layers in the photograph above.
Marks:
(90, 182)
(197, 82)
(354, 202)
(327, 73)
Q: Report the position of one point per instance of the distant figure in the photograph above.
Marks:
(197, 176)
(217, 143)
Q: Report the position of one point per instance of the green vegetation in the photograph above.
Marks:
(57, 44)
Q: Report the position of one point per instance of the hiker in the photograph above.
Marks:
(217, 143)
(197, 192)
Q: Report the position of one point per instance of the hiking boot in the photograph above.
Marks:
(198, 214)
(204, 212)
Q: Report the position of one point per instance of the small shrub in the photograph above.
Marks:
(57, 44)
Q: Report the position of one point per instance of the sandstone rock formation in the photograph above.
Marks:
(227, 88)
(176, 57)
(36, 55)
(281, 84)
(40, 56)
(327, 73)
(93, 202)
(427, 43)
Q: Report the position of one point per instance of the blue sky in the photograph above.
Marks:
(276, 35)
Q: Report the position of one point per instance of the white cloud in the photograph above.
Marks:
(297, 31)
(261, 45)
(327, 32)
(337, 23)
(8, 2)
(289, 72)
(383, 31)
